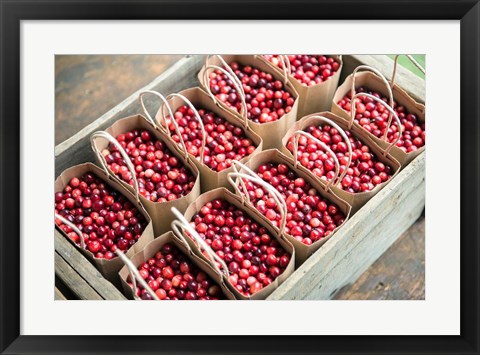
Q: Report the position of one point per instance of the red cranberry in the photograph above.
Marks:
(160, 176)
(99, 221)
(308, 69)
(373, 117)
(260, 88)
(304, 205)
(235, 244)
(170, 281)
(224, 141)
(312, 156)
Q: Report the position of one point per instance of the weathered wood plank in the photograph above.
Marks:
(398, 274)
(87, 86)
(59, 296)
(362, 239)
(355, 262)
(76, 149)
(85, 269)
(411, 83)
(73, 280)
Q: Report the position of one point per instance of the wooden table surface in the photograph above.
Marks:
(87, 86)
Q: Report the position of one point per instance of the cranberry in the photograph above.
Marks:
(313, 157)
(98, 221)
(308, 69)
(245, 246)
(373, 117)
(224, 141)
(305, 206)
(170, 281)
(261, 91)
(161, 177)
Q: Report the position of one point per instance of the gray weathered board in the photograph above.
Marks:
(339, 262)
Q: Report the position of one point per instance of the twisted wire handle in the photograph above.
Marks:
(74, 227)
(181, 224)
(126, 158)
(135, 275)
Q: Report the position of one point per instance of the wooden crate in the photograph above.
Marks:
(362, 240)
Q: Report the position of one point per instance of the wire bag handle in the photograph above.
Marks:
(136, 276)
(181, 224)
(382, 78)
(163, 126)
(271, 190)
(227, 67)
(342, 132)
(237, 167)
(238, 87)
(392, 112)
(296, 137)
(126, 158)
(395, 64)
(254, 178)
(286, 66)
(200, 122)
(74, 228)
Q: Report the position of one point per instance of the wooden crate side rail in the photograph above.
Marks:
(368, 226)
(74, 281)
(85, 270)
(414, 85)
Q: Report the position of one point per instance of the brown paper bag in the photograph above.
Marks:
(158, 211)
(108, 268)
(196, 98)
(222, 193)
(313, 98)
(356, 200)
(270, 132)
(375, 81)
(302, 251)
(154, 246)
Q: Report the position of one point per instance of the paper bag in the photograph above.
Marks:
(154, 246)
(108, 268)
(376, 83)
(317, 97)
(356, 200)
(222, 193)
(159, 211)
(210, 179)
(270, 132)
(302, 251)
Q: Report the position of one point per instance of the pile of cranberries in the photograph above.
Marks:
(373, 117)
(309, 218)
(160, 174)
(309, 69)
(365, 171)
(174, 277)
(253, 256)
(106, 219)
(224, 141)
(266, 98)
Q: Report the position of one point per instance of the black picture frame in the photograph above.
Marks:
(13, 12)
